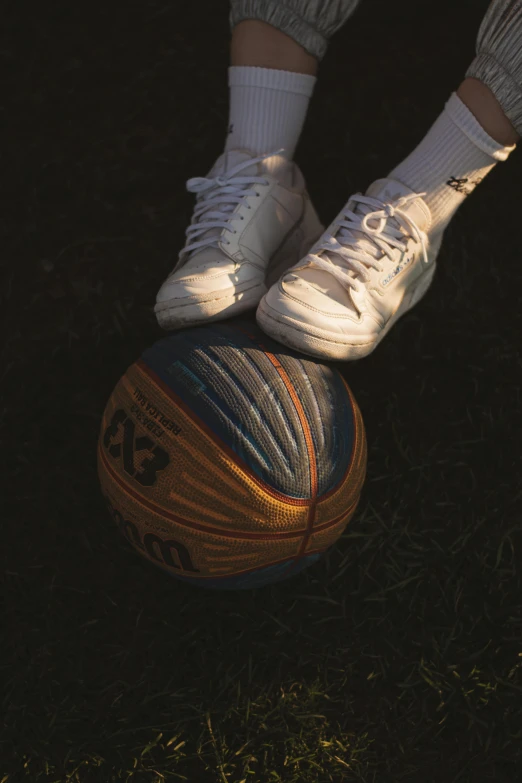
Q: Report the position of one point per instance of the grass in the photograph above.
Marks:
(398, 657)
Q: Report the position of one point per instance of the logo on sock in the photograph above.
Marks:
(230, 128)
(463, 185)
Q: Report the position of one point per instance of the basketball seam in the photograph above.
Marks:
(309, 443)
(161, 511)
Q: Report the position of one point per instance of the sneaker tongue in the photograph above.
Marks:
(224, 163)
(275, 166)
(391, 190)
(385, 190)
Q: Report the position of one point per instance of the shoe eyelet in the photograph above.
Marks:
(257, 195)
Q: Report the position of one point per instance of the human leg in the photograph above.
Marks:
(253, 216)
(377, 258)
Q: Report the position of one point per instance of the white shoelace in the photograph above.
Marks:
(359, 247)
(217, 198)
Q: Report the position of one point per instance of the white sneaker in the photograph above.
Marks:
(253, 219)
(373, 263)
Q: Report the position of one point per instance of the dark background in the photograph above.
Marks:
(106, 111)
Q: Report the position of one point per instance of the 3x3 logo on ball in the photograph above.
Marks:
(122, 443)
(125, 449)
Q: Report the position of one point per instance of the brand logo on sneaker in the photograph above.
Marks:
(463, 185)
(396, 271)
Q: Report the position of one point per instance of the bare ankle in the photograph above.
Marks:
(484, 106)
(258, 44)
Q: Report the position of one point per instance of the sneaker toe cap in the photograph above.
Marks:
(296, 299)
(199, 285)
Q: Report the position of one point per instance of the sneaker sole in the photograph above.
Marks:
(327, 345)
(180, 316)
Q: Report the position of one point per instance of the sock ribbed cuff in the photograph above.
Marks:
(271, 78)
(471, 127)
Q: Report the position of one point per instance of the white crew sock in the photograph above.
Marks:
(267, 109)
(454, 156)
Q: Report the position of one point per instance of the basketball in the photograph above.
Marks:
(229, 460)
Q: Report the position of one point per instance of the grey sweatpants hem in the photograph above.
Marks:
(311, 23)
(498, 63)
(312, 33)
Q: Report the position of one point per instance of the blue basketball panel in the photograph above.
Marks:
(222, 373)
